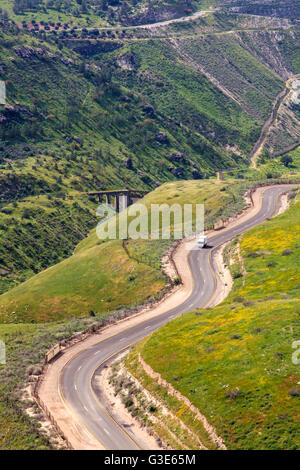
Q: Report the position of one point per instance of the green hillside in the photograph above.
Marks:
(98, 12)
(103, 277)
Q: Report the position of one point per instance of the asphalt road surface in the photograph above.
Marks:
(78, 384)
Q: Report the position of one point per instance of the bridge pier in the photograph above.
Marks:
(117, 204)
(122, 197)
(121, 202)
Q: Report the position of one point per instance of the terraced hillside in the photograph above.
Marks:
(250, 72)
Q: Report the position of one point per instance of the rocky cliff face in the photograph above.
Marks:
(281, 9)
(159, 13)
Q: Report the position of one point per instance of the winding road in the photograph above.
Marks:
(78, 379)
(279, 101)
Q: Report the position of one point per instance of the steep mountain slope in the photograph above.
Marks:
(68, 128)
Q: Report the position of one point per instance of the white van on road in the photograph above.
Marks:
(202, 241)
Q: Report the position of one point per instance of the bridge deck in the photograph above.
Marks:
(118, 192)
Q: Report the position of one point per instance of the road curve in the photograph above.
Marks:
(77, 382)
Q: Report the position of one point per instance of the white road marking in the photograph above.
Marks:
(106, 431)
(146, 327)
(85, 408)
(75, 386)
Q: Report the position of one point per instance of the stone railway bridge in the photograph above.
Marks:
(121, 198)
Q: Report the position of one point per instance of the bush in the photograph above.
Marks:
(287, 252)
(271, 264)
(128, 402)
(239, 299)
(294, 392)
(233, 394)
(237, 274)
(253, 254)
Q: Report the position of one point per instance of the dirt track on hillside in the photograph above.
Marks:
(66, 419)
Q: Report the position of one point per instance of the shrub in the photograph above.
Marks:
(294, 392)
(233, 394)
(128, 402)
(253, 254)
(6, 210)
(237, 274)
(287, 252)
(152, 408)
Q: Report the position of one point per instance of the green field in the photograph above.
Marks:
(234, 362)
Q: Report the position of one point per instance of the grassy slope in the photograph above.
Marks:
(245, 344)
(100, 276)
(38, 232)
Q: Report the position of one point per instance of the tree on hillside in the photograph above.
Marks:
(286, 160)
